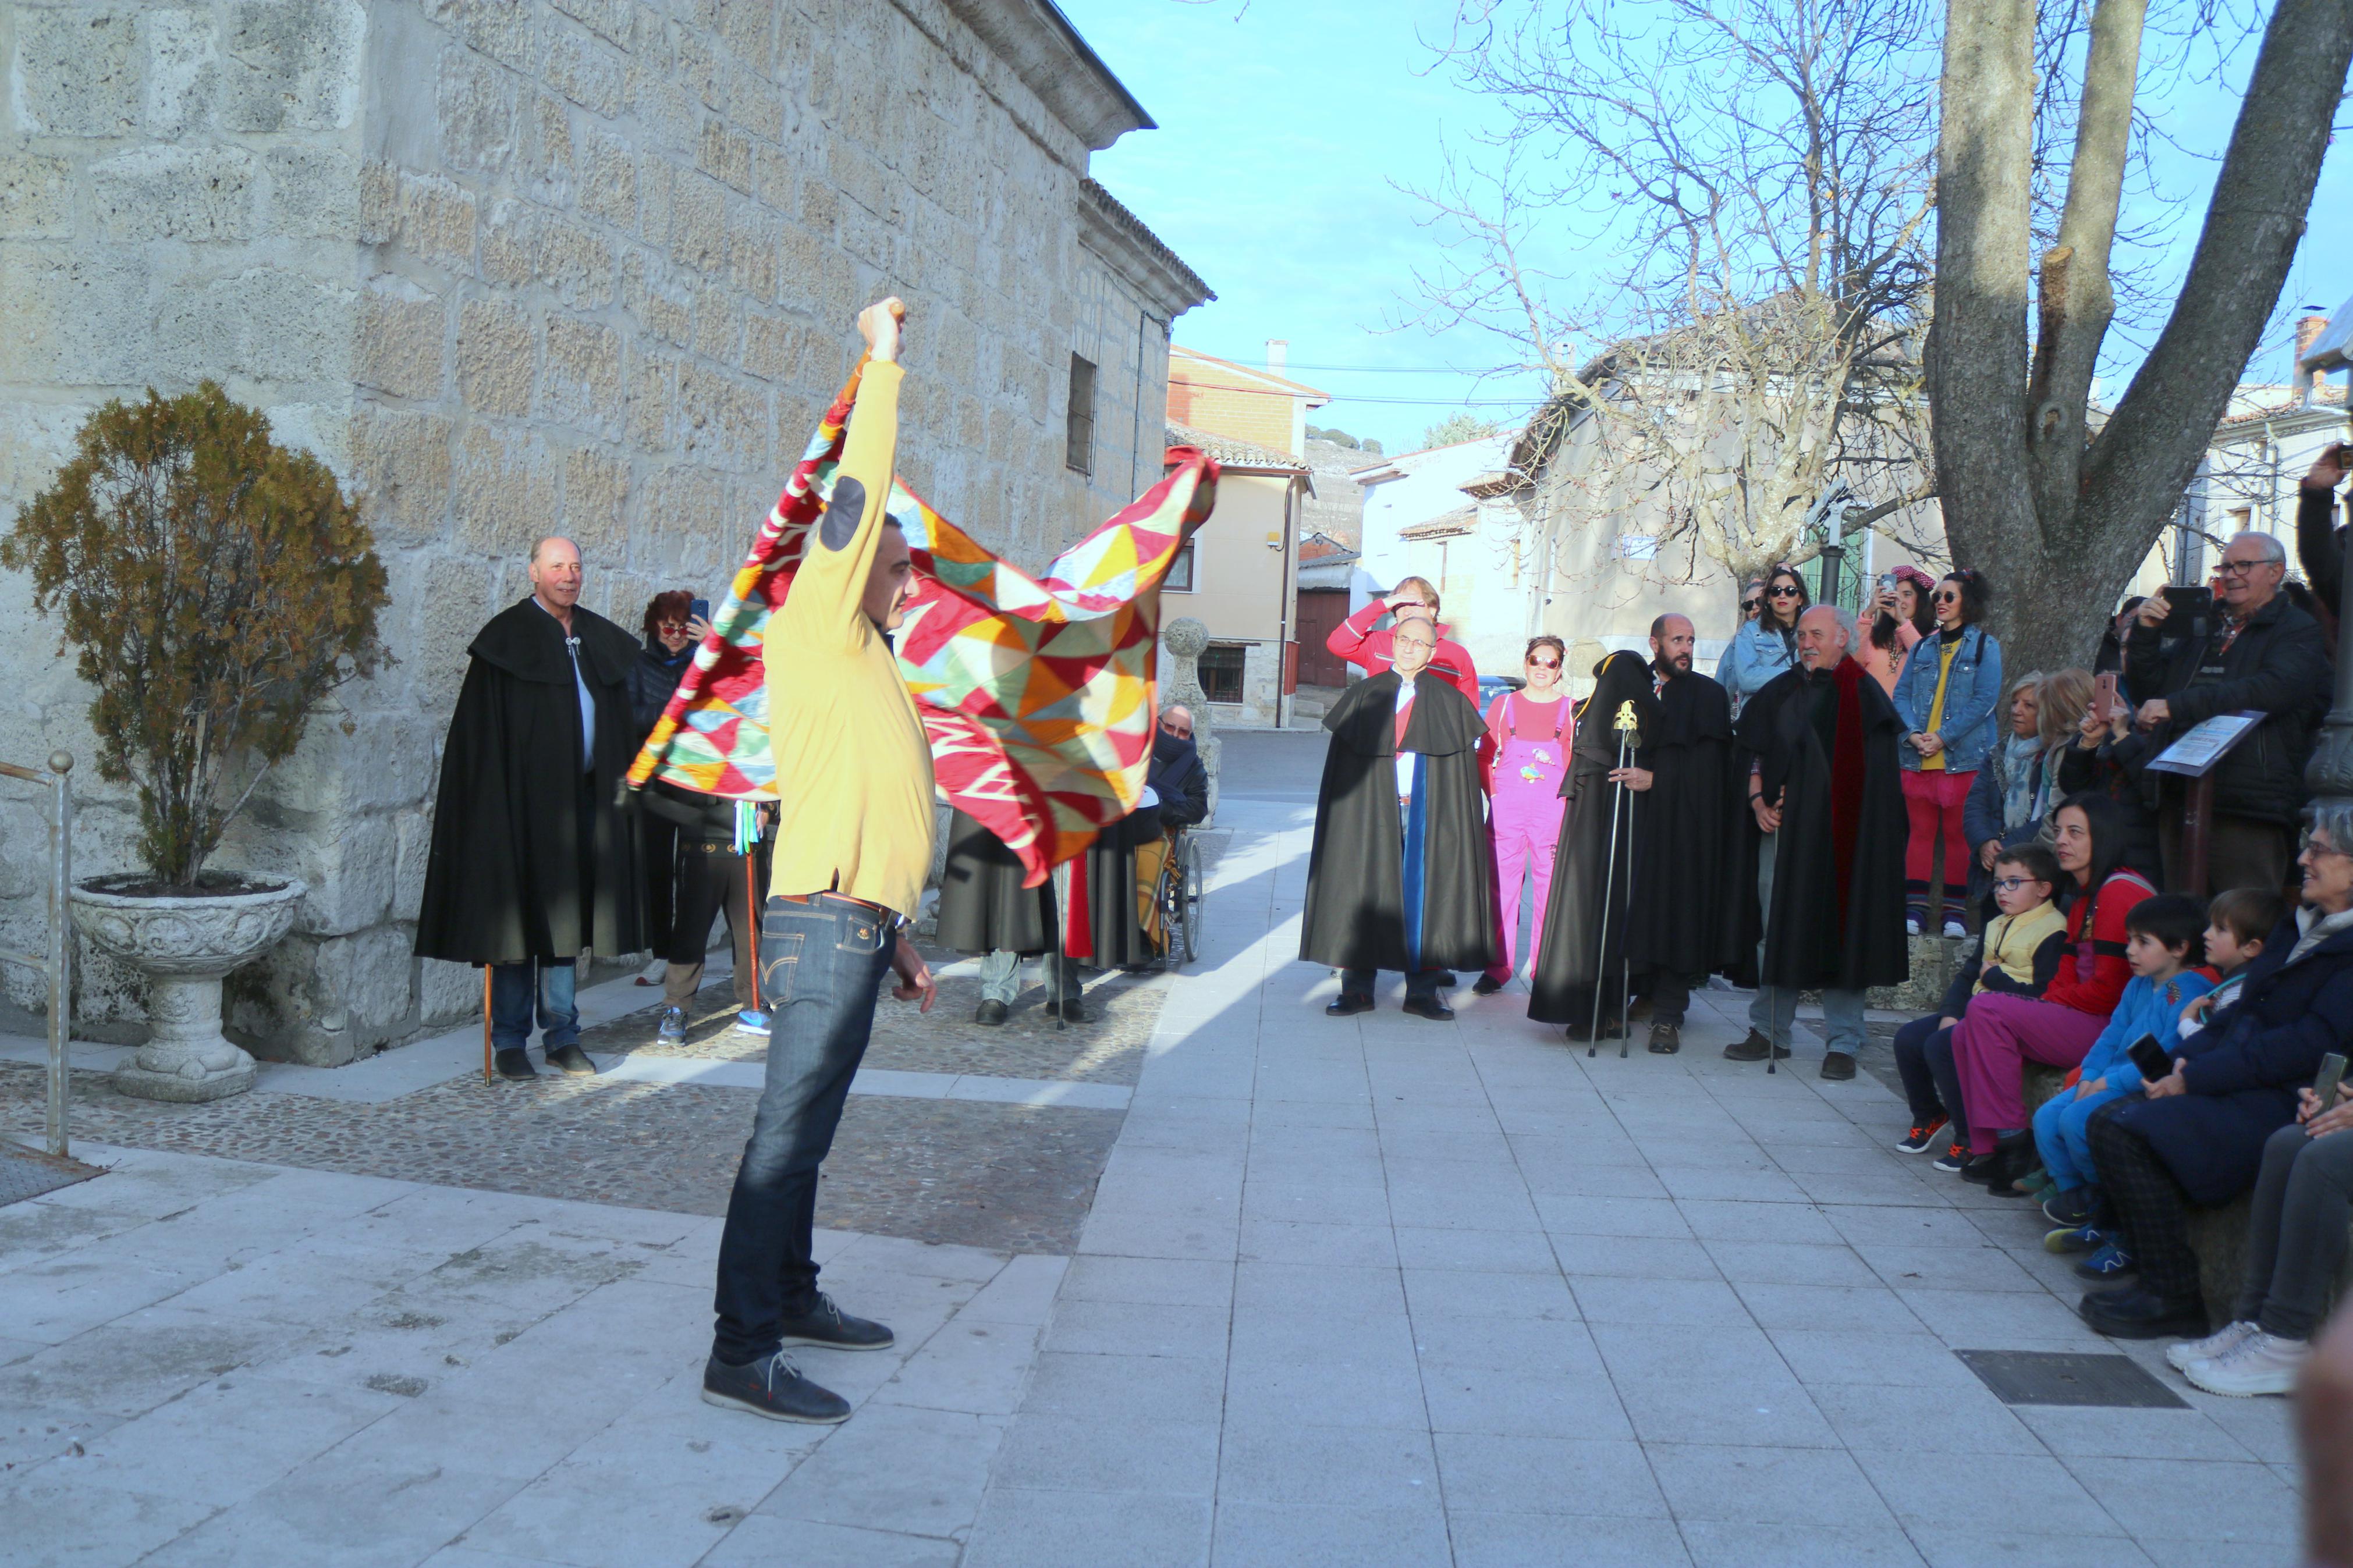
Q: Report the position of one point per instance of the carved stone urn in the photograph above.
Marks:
(1186, 640)
(185, 946)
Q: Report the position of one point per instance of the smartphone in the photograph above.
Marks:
(2187, 610)
(2324, 1084)
(2104, 703)
(1887, 581)
(2153, 1059)
(700, 610)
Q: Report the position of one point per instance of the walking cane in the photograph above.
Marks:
(1624, 724)
(486, 1023)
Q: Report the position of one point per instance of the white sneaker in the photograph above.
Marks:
(2221, 1341)
(1955, 928)
(1911, 928)
(2260, 1364)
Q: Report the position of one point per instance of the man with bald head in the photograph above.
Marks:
(529, 863)
(1826, 836)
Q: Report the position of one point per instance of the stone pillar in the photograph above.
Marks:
(1186, 640)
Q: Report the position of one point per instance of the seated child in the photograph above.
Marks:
(2163, 944)
(2018, 952)
(2236, 923)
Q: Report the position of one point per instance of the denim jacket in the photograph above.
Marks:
(1972, 694)
(1756, 656)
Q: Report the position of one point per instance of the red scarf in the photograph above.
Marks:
(1846, 776)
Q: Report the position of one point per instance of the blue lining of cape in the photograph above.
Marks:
(1417, 826)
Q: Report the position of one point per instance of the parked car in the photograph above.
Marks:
(1494, 686)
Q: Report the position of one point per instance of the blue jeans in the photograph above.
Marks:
(1000, 976)
(821, 964)
(2061, 1136)
(1775, 1010)
(511, 999)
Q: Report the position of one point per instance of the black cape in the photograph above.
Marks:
(1811, 941)
(984, 908)
(1110, 868)
(1684, 917)
(1356, 915)
(1576, 919)
(515, 872)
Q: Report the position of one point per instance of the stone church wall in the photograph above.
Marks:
(515, 268)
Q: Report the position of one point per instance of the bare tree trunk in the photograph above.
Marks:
(2057, 520)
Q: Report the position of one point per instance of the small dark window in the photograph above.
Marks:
(1221, 672)
(1081, 451)
(1180, 571)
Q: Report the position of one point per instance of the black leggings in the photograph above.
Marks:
(2295, 1235)
(2152, 1210)
(1924, 1054)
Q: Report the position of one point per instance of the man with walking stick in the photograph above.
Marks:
(1826, 805)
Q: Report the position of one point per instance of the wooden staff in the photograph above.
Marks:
(486, 1023)
(752, 921)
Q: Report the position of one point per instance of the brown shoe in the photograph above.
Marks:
(1666, 1039)
(1754, 1049)
(1838, 1067)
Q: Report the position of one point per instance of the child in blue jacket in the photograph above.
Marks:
(2164, 943)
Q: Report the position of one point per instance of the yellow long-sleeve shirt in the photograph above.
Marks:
(853, 770)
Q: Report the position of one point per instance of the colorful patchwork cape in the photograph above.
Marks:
(1036, 694)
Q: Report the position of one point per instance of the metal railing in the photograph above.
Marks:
(58, 965)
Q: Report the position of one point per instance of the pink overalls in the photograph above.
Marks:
(1528, 745)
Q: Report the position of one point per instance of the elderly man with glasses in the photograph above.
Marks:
(2260, 654)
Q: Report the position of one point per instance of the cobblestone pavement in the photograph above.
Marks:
(1014, 1178)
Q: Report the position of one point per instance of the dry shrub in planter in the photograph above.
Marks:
(217, 586)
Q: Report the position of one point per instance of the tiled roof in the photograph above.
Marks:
(1234, 452)
(1461, 520)
(2253, 403)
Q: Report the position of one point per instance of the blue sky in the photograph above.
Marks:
(1286, 126)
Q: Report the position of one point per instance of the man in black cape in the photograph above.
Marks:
(531, 861)
(1673, 919)
(985, 909)
(1826, 829)
(1402, 876)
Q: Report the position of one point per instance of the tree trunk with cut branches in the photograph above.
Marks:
(2058, 514)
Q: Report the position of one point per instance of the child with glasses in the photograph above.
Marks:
(2017, 953)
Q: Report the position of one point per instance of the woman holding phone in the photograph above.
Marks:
(1905, 618)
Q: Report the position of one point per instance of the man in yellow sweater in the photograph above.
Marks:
(853, 843)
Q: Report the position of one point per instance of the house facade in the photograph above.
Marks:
(534, 268)
(1259, 405)
(1239, 578)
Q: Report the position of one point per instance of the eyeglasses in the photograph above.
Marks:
(2011, 884)
(2240, 568)
(1183, 734)
(1783, 593)
(1544, 664)
(2311, 845)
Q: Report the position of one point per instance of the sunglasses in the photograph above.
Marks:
(1783, 593)
(1544, 664)
(1756, 604)
(1949, 597)
(1183, 734)
(670, 628)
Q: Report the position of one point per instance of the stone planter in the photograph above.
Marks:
(185, 946)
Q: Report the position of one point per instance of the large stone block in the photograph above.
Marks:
(664, 309)
(300, 64)
(459, 597)
(77, 71)
(725, 154)
(505, 495)
(182, 70)
(36, 197)
(718, 323)
(313, 192)
(576, 262)
(424, 215)
(509, 232)
(585, 70)
(723, 422)
(74, 319)
(400, 348)
(447, 993)
(495, 350)
(596, 502)
(543, 167)
(610, 20)
(412, 849)
(580, 384)
(478, 113)
(698, 224)
(401, 469)
(506, 30)
(194, 193)
(608, 180)
(652, 399)
(349, 876)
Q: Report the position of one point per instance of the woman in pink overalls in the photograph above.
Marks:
(1526, 750)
